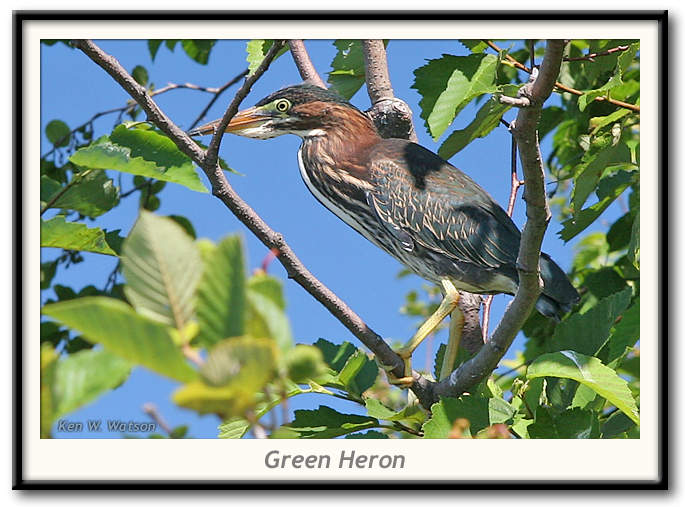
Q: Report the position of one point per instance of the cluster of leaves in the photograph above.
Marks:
(189, 312)
(578, 378)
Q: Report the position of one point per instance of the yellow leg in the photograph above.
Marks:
(448, 304)
(456, 327)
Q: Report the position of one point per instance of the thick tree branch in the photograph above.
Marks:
(304, 63)
(271, 239)
(537, 212)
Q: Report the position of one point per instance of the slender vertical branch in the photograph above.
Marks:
(304, 63)
(515, 185)
(537, 212)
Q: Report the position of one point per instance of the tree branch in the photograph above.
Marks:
(392, 116)
(304, 63)
(222, 189)
(537, 212)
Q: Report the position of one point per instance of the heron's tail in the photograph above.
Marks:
(558, 295)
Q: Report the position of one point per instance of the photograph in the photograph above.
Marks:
(340, 258)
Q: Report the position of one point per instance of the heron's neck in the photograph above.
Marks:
(343, 145)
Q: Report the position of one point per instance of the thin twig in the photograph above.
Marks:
(591, 56)
(218, 93)
(515, 185)
(562, 87)
(304, 63)
(212, 154)
(192, 355)
(151, 410)
(171, 86)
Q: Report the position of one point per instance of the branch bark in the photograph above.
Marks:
(304, 63)
(392, 116)
(525, 131)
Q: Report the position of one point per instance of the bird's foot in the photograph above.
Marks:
(405, 381)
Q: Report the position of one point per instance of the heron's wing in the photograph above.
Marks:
(418, 195)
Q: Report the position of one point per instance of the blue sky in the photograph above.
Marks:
(73, 89)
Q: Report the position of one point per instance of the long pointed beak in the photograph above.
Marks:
(247, 118)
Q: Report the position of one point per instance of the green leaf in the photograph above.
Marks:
(243, 363)
(359, 373)
(139, 73)
(153, 46)
(324, 422)
(304, 362)
(235, 427)
(48, 359)
(269, 286)
(348, 72)
(123, 332)
(610, 187)
(475, 45)
(47, 273)
(198, 49)
(626, 332)
(58, 133)
(368, 434)
(221, 297)
(185, 223)
(411, 414)
(549, 119)
(599, 122)
(257, 50)
(479, 411)
(85, 375)
(595, 163)
(572, 423)
(92, 195)
(448, 84)
(623, 60)
(162, 267)
(58, 233)
(634, 246)
(265, 317)
(487, 118)
(48, 189)
(616, 424)
(604, 282)
(336, 356)
(618, 236)
(588, 371)
(140, 152)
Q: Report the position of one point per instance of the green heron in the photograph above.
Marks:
(405, 199)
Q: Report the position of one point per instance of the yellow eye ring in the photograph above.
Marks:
(282, 105)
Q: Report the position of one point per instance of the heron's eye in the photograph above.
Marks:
(282, 105)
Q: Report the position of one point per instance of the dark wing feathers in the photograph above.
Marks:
(439, 207)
